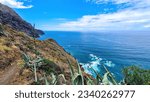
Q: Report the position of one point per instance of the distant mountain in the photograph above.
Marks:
(9, 17)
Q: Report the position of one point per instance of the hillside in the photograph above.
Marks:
(16, 42)
(11, 18)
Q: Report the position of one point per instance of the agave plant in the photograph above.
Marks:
(108, 74)
(105, 80)
(34, 64)
(76, 77)
(61, 79)
(89, 81)
(98, 77)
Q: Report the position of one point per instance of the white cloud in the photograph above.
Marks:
(113, 1)
(135, 17)
(122, 20)
(147, 26)
(15, 4)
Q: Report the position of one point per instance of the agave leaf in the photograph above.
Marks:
(62, 78)
(98, 76)
(46, 81)
(105, 80)
(78, 80)
(110, 76)
(26, 58)
(71, 68)
(54, 79)
(89, 81)
(35, 74)
(34, 64)
(80, 73)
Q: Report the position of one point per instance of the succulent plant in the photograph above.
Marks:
(105, 80)
(76, 77)
(34, 64)
(61, 79)
(89, 81)
(98, 77)
(111, 77)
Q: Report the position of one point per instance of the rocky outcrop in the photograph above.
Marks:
(9, 17)
(16, 38)
(12, 47)
(16, 41)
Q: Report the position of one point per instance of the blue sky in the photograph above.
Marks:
(84, 15)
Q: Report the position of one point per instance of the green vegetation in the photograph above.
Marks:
(48, 66)
(50, 76)
(107, 79)
(135, 75)
(34, 64)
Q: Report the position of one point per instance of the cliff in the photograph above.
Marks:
(11, 18)
(16, 43)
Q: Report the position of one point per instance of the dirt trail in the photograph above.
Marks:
(8, 75)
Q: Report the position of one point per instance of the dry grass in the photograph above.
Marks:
(4, 48)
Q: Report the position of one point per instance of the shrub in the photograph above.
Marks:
(48, 66)
(134, 75)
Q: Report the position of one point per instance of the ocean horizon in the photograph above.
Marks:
(115, 50)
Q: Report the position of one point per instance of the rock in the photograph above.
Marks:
(18, 42)
(9, 17)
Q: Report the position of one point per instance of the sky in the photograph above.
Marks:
(84, 15)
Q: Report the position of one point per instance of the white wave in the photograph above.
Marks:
(109, 64)
(95, 63)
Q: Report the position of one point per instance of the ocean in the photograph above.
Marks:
(115, 50)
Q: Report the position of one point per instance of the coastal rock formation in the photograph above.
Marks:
(11, 18)
(16, 39)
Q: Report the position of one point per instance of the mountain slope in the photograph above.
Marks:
(16, 40)
(11, 18)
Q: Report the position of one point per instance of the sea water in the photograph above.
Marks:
(115, 50)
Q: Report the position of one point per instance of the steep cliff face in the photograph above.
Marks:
(11, 18)
(12, 46)
(16, 39)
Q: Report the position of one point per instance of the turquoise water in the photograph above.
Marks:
(115, 50)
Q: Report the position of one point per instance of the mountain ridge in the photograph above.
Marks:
(17, 41)
(9, 17)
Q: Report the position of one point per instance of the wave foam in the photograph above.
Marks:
(95, 63)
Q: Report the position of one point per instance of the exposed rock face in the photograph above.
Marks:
(11, 18)
(15, 39)
(11, 61)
